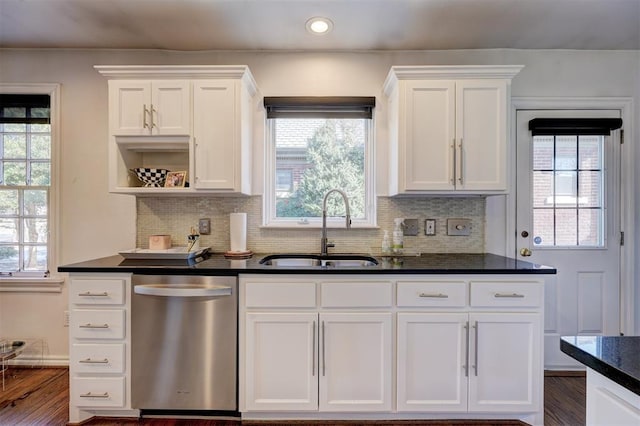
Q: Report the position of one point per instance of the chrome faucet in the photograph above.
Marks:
(324, 244)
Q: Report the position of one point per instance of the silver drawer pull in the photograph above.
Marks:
(89, 294)
(94, 361)
(434, 295)
(89, 325)
(92, 395)
(511, 295)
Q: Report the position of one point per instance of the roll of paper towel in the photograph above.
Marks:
(238, 231)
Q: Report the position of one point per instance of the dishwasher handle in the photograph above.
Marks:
(184, 290)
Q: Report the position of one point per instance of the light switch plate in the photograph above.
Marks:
(430, 227)
(204, 226)
(410, 227)
(459, 227)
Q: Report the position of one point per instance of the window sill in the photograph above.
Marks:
(31, 285)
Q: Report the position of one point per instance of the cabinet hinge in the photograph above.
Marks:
(621, 238)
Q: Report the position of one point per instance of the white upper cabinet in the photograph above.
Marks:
(448, 128)
(157, 107)
(196, 119)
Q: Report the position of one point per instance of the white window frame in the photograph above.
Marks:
(269, 199)
(53, 240)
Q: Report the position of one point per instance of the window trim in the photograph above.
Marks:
(269, 219)
(53, 241)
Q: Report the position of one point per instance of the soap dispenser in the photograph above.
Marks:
(398, 235)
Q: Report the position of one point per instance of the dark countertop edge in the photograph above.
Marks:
(620, 377)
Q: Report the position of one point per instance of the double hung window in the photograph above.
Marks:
(25, 183)
(315, 145)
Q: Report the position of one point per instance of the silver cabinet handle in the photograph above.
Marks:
(94, 361)
(92, 395)
(508, 295)
(144, 117)
(460, 178)
(453, 171)
(475, 367)
(466, 356)
(89, 325)
(313, 351)
(323, 351)
(434, 295)
(89, 294)
(151, 111)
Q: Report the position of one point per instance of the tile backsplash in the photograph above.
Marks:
(176, 215)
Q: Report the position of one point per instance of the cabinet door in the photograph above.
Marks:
(171, 107)
(355, 361)
(506, 370)
(129, 104)
(481, 135)
(215, 131)
(426, 156)
(281, 363)
(432, 362)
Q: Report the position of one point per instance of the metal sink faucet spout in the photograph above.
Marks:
(324, 244)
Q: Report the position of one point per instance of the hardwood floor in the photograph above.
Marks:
(40, 396)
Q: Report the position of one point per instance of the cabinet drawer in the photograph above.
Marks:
(97, 324)
(291, 294)
(106, 291)
(432, 294)
(97, 358)
(97, 392)
(516, 294)
(364, 294)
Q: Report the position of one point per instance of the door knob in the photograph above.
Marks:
(525, 252)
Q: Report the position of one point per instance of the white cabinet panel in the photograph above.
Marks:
(355, 365)
(433, 294)
(281, 361)
(496, 294)
(432, 362)
(97, 291)
(283, 294)
(97, 392)
(97, 358)
(609, 404)
(349, 294)
(97, 324)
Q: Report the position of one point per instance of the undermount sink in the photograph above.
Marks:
(310, 260)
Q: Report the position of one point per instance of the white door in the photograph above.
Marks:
(503, 356)
(129, 104)
(567, 203)
(355, 362)
(281, 361)
(171, 107)
(432, 362)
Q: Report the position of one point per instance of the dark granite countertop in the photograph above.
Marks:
(615, 357)
(217, 264)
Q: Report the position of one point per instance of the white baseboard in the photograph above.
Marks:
(40, 361)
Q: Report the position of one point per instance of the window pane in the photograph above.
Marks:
(40, 147)
(41, 128)
(8, 230)
(15, 146)
(40, 174)
(566, 187)
(15, 127)
(40, 112)
(35, 202)
(590, 189)
(543, 227)
(15, 173)
(35, 230)
(566, 227)
(9, 257)
(8, 202)
(590, 227)
(543, 152)
(542, 189)
(15, 112)
(591, 152)
(320, 154)
(35, 258)
(566, 153)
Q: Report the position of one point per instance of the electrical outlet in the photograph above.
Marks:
(410, 227)
(459, 227)
(65, 319)
(430, 227)
(204, 226)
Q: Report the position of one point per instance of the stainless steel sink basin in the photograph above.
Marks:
(311, 260)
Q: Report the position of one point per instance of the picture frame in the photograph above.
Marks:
(175, 179)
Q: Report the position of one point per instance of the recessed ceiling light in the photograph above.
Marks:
(319, 25)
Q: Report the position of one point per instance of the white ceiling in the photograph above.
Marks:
(358, 24)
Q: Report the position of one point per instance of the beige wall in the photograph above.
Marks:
(94, 223)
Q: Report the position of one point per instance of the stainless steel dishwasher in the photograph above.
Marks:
(184, 343)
